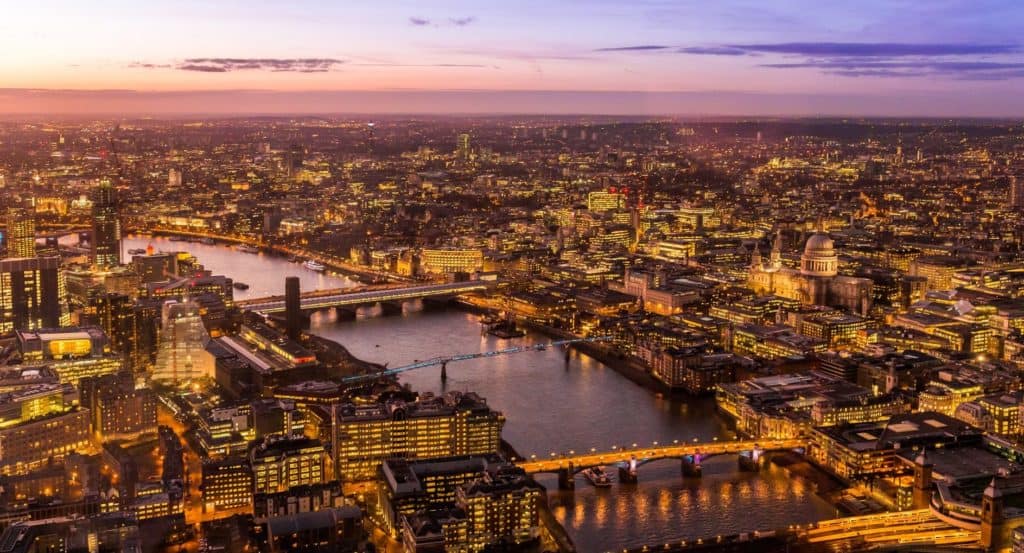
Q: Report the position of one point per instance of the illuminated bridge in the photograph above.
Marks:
(359, 296)
(629, 459)
(903, 530)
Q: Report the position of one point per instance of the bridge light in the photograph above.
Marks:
(675, 441)
(593, 449)
(655, 442)
(634, 445)
(572, 452)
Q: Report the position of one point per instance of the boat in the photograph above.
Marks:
(207, 241)
(505, 330)
(137, 251)
(248, 249)
(597, 477)
(314, 266)
(293, 259)
(240, 286)
(177, 239)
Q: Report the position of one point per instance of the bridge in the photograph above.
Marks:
(443, 361)
(629, 459)
(359, 296)
(908, 530)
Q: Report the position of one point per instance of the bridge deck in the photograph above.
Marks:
(372, 296)
(667, 451)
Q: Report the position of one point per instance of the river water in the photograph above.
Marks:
(554, 406)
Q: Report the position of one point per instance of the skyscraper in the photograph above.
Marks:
(21, 232)
(32, 294)
(1016, 192)
(462, 149)
(106, 227)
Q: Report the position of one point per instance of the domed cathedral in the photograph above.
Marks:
(816, 282)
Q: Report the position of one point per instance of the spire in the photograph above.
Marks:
(755, 258)
(776, 257)
(819, 226)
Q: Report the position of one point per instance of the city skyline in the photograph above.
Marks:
(932, 59)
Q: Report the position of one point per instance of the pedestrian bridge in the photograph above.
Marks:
(354, 297)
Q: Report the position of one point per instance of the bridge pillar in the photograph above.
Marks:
(391, 307)
(691, 467)
(444, 371)
(567, 478)
(435, 304)
(751, 461)
(342, 313)
(627, 474)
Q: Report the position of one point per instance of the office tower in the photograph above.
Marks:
(33, 294)
(21, 232)
(462, 150)
(73, 353)
(293, 307)
(39, 425)
(456, 424)
(293, 160)
(227, 484)
(174, 178)
(106, 227)
(1016, 192)
(279, 463)
(118, 410)
(181, 354)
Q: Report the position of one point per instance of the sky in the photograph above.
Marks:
(941, 58)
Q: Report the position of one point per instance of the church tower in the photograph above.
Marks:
(776, 256)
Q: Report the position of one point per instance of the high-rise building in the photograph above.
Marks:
(174, 178)
(21, 232)
(33, 294)
(462, 149)
(106, 227)
(118, 409)
(1016, 192)
(181, 354)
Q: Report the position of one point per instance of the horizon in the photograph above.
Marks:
(935, 59)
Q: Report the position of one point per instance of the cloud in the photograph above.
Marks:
(225, 65)
(714, 51)
(419, 21)
(877, 49)
(388, 64)
(637, 48)
(964, 60)
(871, 67)
(462, 21)
(202, 68)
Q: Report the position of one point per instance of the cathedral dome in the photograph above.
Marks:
(819, 258)
(819, 243)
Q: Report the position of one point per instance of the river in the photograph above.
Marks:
(554, 406)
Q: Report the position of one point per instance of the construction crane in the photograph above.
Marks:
(444, 360)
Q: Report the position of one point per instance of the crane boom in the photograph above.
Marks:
(444, 360)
